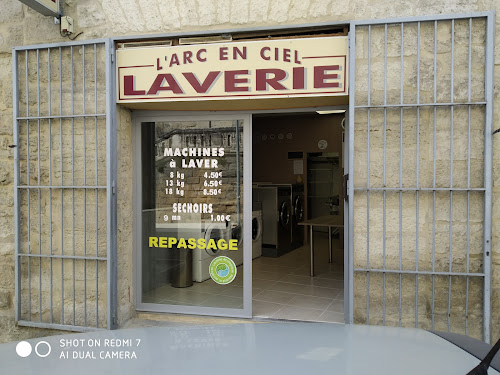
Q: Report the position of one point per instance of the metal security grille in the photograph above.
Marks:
(64, 199)
(420, 170)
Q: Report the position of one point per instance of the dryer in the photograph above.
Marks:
(276, 219)
(297, 215)
(256, 234)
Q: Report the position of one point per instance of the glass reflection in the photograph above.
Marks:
(192, 213)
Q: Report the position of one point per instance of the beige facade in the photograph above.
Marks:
(19, 25)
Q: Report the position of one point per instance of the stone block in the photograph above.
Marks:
(12, 11)
(90, 15)
(258, 10)
(188, 12)
(4, 299)
(319, 8)
(207, 12)
(278, 11)
(223, 11)
(239, 11)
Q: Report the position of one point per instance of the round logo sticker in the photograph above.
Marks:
(222, 270)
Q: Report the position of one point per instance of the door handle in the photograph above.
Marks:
(345, 194)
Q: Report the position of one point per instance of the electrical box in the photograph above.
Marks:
(66, 25)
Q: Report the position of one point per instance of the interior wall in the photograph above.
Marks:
(271, 143)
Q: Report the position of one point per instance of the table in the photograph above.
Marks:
(321, 221)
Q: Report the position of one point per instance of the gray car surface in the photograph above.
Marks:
(254, 348)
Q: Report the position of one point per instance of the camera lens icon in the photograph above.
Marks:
(42, 349)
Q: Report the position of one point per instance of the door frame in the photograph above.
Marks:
(140, 116)
(144, 116)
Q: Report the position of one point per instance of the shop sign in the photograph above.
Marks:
(241, 70)
(45, 7)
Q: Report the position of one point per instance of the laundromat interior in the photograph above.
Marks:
(297, 179)
(297, 176)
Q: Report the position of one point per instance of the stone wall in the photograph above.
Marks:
(20, 25)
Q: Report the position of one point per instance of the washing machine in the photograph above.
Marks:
(297, 215)
(203, 257)
(256, 234)
(276, 219)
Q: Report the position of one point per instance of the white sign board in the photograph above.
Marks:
(240, 70)
(45, 7)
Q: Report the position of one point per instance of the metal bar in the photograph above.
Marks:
(70, 187)
(421, 189)
(96, 195)
(66, 327)
(451, 168)
(384, 173)
(17, 212)
(28, 181)
(411, 105)
(55, 256)
(488, 162)
(111, 191)
(59, 45)
(84, 193)
(420, 272)
(349, 306)
(443, 17)
(311, 234)
(73, 178)
(59, 116)
(50, 182)
(368, 183)
(62, 183)
(400, 307)
(418, 177)
(39, 203)
(468, 181)
(434, 181)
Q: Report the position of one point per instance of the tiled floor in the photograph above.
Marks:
(282, 287)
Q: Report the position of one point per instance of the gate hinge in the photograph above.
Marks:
(113, 188)
(345, 189)
(112, 56)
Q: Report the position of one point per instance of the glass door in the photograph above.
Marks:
(194, 214)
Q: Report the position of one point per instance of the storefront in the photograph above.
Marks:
(183, 173)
